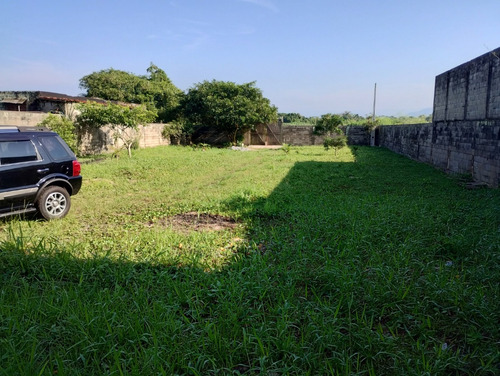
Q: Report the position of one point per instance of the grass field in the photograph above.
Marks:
(221, 262)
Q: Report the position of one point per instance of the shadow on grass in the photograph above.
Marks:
(381, 265)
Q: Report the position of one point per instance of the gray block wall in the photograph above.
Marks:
(464, 137)
(300, 135)
(470, 91)
(465, 147)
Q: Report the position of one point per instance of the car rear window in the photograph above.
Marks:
(17, 151)
(55, 147)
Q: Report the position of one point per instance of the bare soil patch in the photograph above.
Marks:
(193, 221)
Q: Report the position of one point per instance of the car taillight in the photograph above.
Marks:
(76, 168)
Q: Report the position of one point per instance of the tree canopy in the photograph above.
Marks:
(231, 108)
(293, 117)
(328, 124)
(155, 90)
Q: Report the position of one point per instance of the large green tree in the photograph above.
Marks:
(124, 120)
(155, 90)
(231, 108)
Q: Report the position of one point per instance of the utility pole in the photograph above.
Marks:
(373, 131)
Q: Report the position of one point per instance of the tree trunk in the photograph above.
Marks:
(235, 135)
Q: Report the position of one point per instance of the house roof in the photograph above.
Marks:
(14, 101)
(57, 97)
(20, 97)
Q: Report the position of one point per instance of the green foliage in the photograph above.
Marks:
(228, 107)
(348, 118)
(367, 121)
(286, 148)
(200, 146)
(397, 120)
(335, 143)
(295, 118)
(117, 116)
(122, 119)
(178, 131)
(370, 124)
(328, 124)
(64, 127)
(155, 91)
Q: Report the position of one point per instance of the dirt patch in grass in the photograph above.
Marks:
(193, 221)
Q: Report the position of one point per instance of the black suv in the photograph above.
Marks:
(38, 172)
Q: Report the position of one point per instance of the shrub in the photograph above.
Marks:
(64, 127)
(335, 143)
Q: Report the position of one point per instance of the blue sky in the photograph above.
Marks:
(307, 56)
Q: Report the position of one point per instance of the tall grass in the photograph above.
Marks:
(362, 263)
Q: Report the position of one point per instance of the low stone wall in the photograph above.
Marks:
(21, 118)
(102, 140)
(94, 141)
(462, 147)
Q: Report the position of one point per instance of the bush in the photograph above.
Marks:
(64, 127)
(177, 131)
(328, 124)
(335, 143)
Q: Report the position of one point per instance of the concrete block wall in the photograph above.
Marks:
(304, 135)
(462, 147)
(21, 118)
(464, 137)
(300, 135)
(470, 91)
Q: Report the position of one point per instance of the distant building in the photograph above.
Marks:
(41, 101)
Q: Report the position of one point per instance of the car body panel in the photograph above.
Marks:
(29, 162)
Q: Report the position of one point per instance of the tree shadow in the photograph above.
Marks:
(338, 274)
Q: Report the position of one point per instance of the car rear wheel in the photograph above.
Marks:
(54, 202)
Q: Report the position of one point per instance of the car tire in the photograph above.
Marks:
(54, 202)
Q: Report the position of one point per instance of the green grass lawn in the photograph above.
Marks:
(221, 262)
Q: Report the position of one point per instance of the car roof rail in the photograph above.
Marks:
(27, 128)
(8, 129)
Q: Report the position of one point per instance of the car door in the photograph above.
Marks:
(60, 154)
(21, 168)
